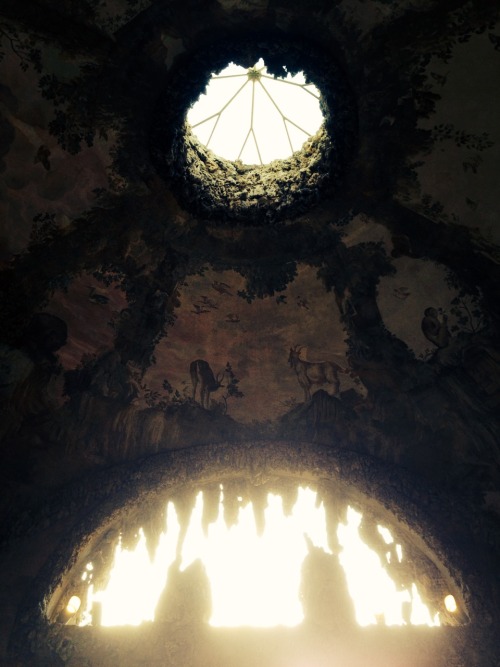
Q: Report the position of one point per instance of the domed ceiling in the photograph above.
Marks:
(150, 281)
(155, 296)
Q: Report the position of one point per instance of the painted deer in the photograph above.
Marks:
(310, 373)
(202, 374)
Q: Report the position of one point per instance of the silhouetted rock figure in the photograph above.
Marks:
(187, 597)
(202, 374)
(324, 594)
(434, 330)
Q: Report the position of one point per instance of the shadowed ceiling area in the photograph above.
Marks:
(172, 318)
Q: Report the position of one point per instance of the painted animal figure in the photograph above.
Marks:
(311, 373)
(202, 374)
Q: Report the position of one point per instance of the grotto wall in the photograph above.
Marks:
(97, 511)
(132, 258)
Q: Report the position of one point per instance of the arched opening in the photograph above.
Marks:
(259, 565)
(251, 471)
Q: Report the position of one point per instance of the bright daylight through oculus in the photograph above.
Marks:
(253, 578)
(249, 115)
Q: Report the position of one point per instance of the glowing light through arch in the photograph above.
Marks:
(254, 579)
(263, 571)
(450, 604)
(374, 593)
(136, 583)
(249, 115)
(73, 604)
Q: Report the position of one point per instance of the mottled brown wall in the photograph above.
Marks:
(125, 256)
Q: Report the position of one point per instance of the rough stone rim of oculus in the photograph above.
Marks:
(224, 190)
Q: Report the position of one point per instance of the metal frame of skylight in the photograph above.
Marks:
(256, 79)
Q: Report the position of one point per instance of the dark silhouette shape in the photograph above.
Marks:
(323, 591)
(187, 596)
(202, 374)
(44, 335)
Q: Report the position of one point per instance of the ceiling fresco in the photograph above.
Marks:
(82, 301)
(156, 298)
(39, 176)
(214, 322)
(93, 235)
(403, 307)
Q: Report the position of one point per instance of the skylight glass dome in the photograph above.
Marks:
(252, 116)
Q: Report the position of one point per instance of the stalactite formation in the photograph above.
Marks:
(234, 494)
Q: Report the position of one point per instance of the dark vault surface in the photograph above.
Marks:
(346, 299)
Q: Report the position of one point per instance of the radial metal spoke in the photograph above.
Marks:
(213, 129)
(244, 144)
(218, 113)
(256, 130)
(257, 146)
(289, 120)
(228, 76)
(288, 134)
(294, 83)
(282, 114)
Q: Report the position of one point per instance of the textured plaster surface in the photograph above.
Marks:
(127, 253)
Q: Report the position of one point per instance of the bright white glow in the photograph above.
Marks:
(73, 604)
(419, 613)
(249, 115)
(386, 534)
(255, 580)
(86, 616)
(450, 603)
(373, 591)
(135, 583)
